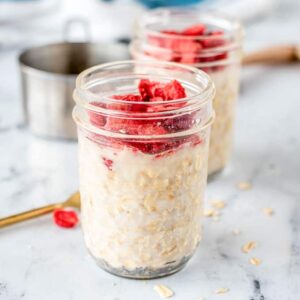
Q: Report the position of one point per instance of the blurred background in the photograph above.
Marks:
(26, 22)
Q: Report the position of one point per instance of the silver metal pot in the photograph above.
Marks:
(48, 80)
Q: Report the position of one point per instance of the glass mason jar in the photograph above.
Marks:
(214, 46)
(142, 186)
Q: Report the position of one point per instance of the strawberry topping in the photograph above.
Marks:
(188, 51)
(155, 91)
(150, 92)
(195, 30)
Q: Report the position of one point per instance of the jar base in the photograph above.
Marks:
(142, 273)
(214, 175)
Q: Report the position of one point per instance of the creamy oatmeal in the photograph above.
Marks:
(144, 212)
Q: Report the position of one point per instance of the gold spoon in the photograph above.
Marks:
(72, 201)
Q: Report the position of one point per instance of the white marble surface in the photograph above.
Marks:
(41, 261)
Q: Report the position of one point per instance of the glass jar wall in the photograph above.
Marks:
(143, 165)
(210, 42)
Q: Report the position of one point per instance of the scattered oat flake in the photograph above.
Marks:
(219, 204)
(244, 185)
(222, 291)
(211, 213)
(163, 291)
(268, 211)
(249, 246)
(255, 261)
(236, 231)
(200, 298)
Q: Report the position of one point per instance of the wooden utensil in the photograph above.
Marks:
(274, 55)
(72, 201)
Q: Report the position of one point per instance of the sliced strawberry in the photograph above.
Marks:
(65, 218)
(214, 42)
(188, 51)
(126, 106)
(174, 90)
(152, 147)
(182, 46)
(188, 58)
(149, 147)
(195, 30)
(213, 58)
(150, 89)
(178, 123)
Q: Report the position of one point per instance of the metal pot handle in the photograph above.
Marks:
(70, 24)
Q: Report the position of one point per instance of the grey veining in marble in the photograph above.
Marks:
(40, 261)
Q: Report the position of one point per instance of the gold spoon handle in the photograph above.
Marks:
(29, 214)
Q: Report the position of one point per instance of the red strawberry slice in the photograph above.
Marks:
(149, 147)
(214, 42)
(179, 123)
(126, 106)
(65, 218)
(154, 147)
(187, 51)
(151, 89)
(174, 90)
(195, 30)
(182, 46)
(155, 91)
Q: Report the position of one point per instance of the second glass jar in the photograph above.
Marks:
(208, 41)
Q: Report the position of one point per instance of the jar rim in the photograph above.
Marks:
(200, 100)
(82, 91)
(236, 26)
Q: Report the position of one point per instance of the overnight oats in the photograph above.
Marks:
(209, 42)
(143, 152)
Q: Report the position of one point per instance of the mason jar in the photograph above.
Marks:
(143, 166)
(207, 41)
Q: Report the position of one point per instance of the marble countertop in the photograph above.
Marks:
(41, 261)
